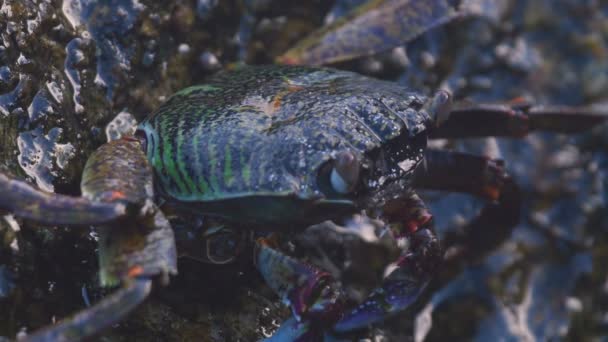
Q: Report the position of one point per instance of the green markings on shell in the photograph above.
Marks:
(169, 153)
(196, 150)
(213, 162)
(262, 134)
(181, 155)
(246, 172)
(195, 89)
(228, 177)
(153, 150)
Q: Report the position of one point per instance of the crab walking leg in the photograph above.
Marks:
(22, 200)
(461, 172)
(516, 120)
(133, 251)
(118, 171)
(107, 312)
(116, 182)
(130, 255)
(143, 245)
(373, 27)
(479, 176)
(409, 275)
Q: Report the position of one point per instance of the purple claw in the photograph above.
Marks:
(306, 289)
(317, 301)
(393, 297)
(401, 287)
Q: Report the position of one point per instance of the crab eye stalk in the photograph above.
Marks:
(440, 106)
(345, 173)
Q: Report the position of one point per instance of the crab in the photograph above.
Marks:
(279, 151)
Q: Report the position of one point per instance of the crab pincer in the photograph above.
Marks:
(313, 296)
(320, 301)
(407, 276)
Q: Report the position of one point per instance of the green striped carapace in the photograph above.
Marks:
(259, 144)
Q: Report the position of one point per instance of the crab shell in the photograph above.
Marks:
(258, 144)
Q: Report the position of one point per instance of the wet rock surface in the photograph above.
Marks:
(70, 68)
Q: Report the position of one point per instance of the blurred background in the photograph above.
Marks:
(75, 72)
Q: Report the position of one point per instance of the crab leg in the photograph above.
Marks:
(516, 120)
(132, 256)
(479, 176)
(107, 312)
(133, 251)
(116, 182)
(373, 27)
(24, 201)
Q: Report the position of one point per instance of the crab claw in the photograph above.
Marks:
(356, 253)
(401, 287)
(321, 302)
(309, 292)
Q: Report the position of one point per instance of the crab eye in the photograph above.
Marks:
(345, 173)
(440, 106)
